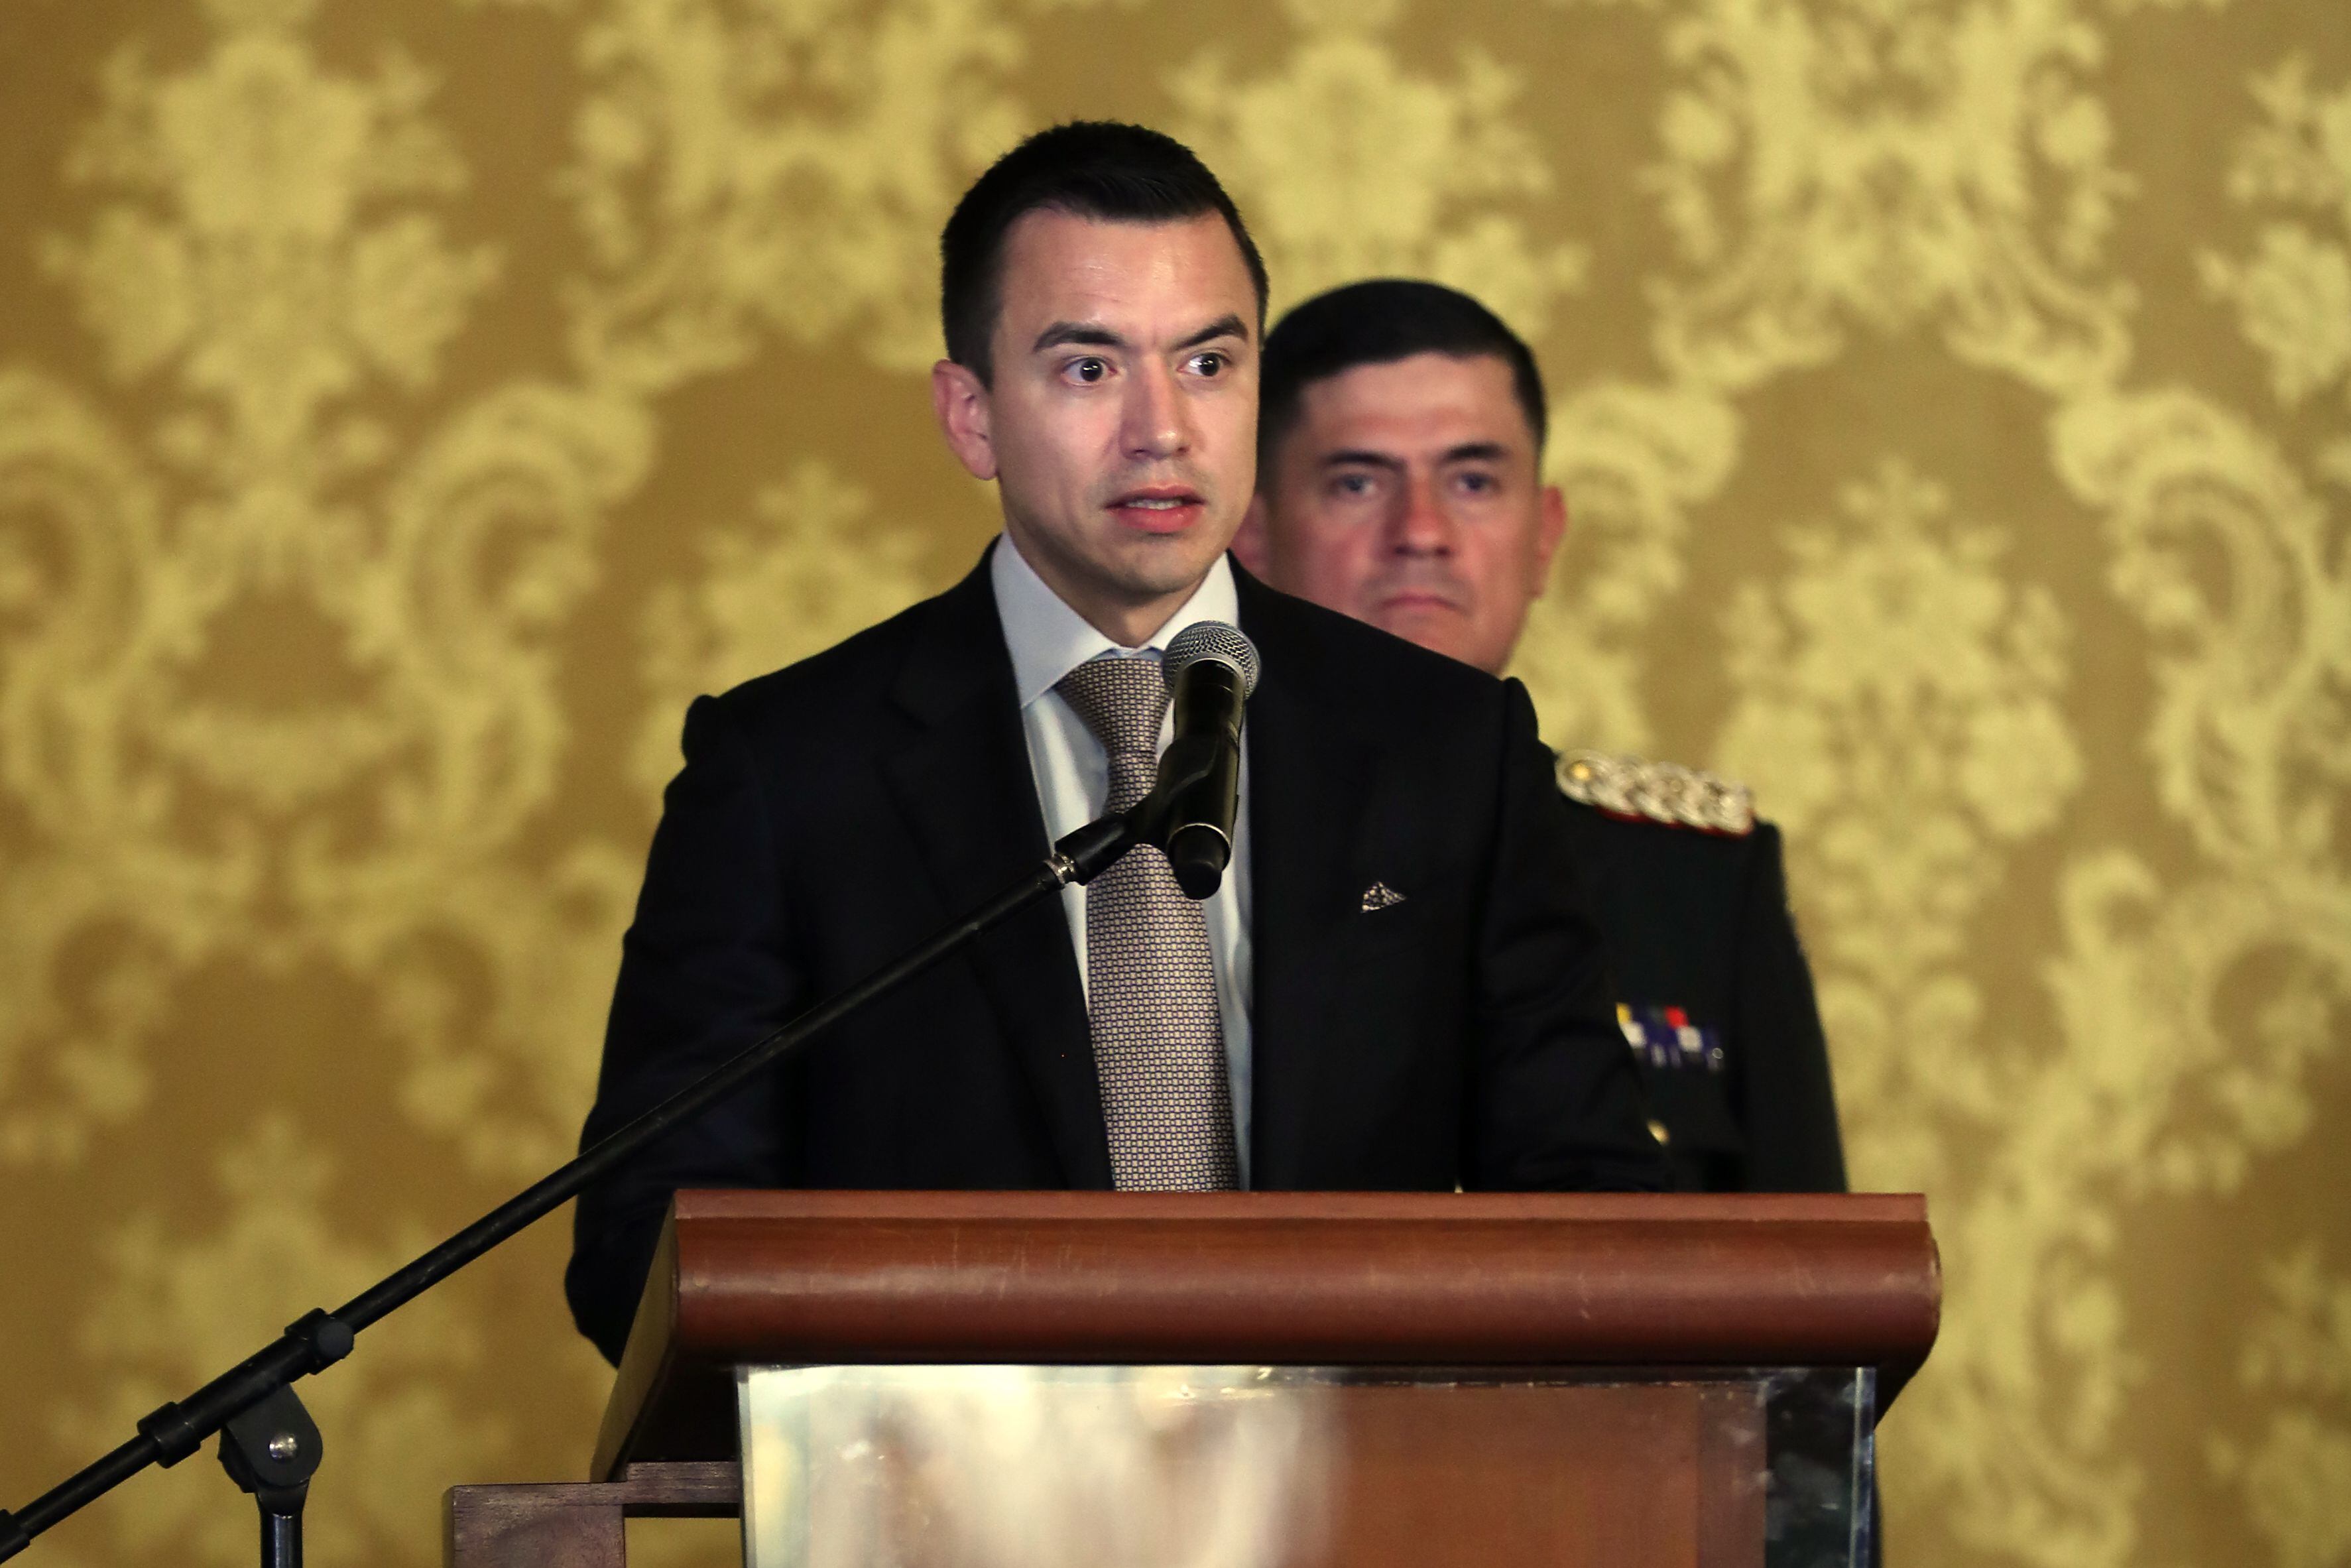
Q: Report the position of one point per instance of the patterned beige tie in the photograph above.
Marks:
(1159, 1044)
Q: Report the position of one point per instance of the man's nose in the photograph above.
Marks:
(1420, 525)
(1157, 425)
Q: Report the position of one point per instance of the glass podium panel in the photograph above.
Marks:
(1285, 1467)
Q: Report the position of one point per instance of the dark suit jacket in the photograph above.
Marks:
(1698, 928)
(833, 815)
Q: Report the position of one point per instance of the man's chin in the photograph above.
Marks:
(1162, 563)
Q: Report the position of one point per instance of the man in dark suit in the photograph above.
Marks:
(1399, 481)
(1397, 986)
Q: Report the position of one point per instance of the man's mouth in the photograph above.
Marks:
(1418, 598)
(1158, 508)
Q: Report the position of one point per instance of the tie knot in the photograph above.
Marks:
(1121, 700)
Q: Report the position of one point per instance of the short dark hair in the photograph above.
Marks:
(1090, 168)
(1378, 322)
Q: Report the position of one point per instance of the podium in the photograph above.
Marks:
(1248, 1380)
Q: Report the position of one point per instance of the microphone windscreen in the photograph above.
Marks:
(1212, 640)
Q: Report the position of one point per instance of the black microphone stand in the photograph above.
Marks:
(269, 1445)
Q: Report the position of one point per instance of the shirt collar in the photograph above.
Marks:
(1047, 638)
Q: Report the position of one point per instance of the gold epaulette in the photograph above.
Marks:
(1658, 791)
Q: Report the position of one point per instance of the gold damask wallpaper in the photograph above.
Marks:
(405, 407)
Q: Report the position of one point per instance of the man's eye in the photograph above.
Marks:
(1089, 370)
(1209, 364)
(1352, 485)
(1477, 483)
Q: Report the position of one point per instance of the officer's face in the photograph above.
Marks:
(1120, 426)
(1406, 494)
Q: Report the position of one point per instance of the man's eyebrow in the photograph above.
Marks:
(1085, 333)
(1223, 327)
(1091, 335)
(1475, 452)
(1360, 458)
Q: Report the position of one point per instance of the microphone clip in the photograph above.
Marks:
(1196, 773)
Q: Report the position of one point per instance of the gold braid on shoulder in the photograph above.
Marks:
(1637, 789)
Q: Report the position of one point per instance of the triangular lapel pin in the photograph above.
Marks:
(1380, 895)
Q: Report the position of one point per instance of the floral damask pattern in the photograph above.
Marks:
(779, 165)
(2297, 1358)
(258, 263)
(813, 570)
(176, 1308)
(1900, 711)
(1955, 411)
(2293, 294)
(1354, 166)
(1633, 461)
(1937, 163)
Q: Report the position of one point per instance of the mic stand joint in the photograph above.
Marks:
(272, 1451)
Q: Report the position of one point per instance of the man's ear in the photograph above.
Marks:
(960, 400)
(1550, 529)
(1250, 546)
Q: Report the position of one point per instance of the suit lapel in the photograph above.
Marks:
(963, 783)
(1310, 778)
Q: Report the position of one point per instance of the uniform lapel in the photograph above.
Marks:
(963, 783)
(1310, 777)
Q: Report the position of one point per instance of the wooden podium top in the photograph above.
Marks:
(1298, 1279)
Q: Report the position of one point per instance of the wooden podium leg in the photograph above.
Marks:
(579, 1525)
(505, 1527)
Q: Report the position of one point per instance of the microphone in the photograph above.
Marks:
(1210, 669)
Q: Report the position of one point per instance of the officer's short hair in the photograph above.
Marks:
(1090, 169)
(1378, 322)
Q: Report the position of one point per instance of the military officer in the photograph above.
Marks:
(1399, 449)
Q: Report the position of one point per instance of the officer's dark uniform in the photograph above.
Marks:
(1714, 995)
